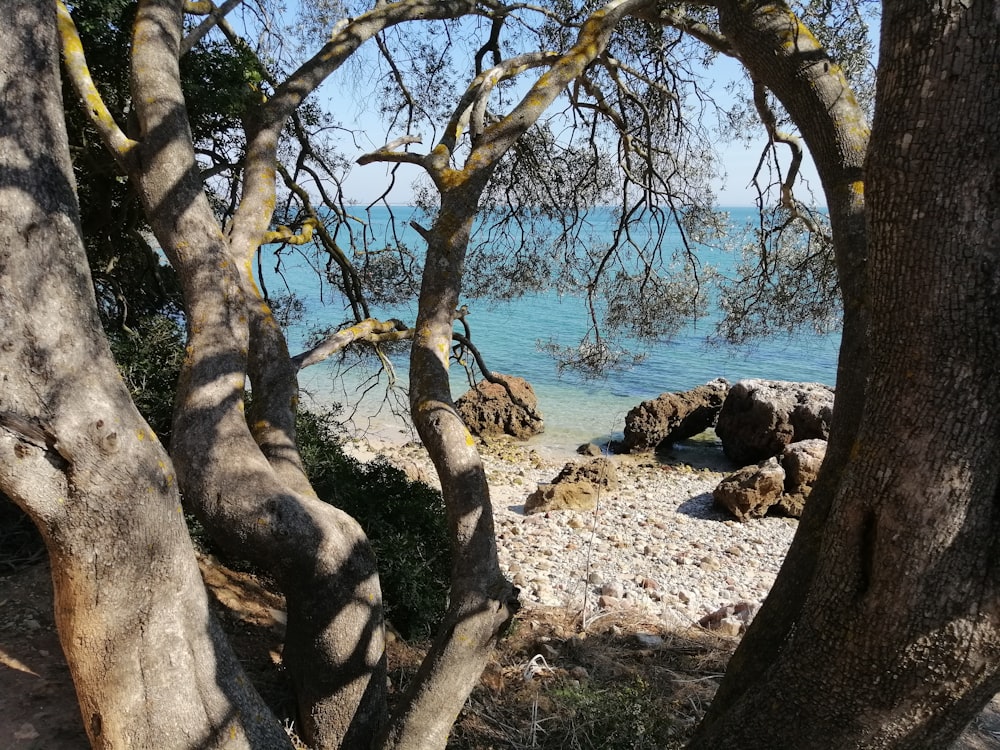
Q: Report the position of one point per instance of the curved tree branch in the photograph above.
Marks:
(115, 141)
(372, 330)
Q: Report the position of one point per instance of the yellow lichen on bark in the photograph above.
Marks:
(284, 234)
(78, 71)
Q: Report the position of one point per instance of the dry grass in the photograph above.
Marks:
(624, 682)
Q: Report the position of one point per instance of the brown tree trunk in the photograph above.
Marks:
(897, 644)
(319, 555)
(784, 56)
(482, 600)
(150, 665)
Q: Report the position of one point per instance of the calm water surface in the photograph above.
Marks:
(575, 409)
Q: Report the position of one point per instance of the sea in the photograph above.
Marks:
(510, 335)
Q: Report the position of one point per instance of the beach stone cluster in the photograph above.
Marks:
(653, 543)
(775, 429)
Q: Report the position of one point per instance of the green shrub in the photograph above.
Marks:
(149, 357)
(623, 717)
(404, 520)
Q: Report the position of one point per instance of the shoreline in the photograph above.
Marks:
(655, 546)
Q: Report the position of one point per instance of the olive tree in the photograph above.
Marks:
(151, 666)
(884, 628)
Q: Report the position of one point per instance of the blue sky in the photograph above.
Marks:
(365, 184)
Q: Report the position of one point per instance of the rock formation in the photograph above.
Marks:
(670, 417)
(489, 411)
(760, 417)
(773, 485)
(577, 487)
(751, 491)
(801, 462)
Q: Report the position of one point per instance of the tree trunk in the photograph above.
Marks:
(482, 600)
(150, 665)
(319, 555)
(898, 642)
(781, 54)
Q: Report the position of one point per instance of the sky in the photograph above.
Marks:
(365, 184)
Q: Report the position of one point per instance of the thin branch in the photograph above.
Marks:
(678, 18)
(215, 18)
(770, 122)
(388, 152)
(371, 330)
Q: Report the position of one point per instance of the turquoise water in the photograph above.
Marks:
(575, 409)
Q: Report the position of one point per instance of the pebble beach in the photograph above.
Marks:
(655, 545)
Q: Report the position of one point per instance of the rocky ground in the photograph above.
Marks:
(655, 543)
(610, 594)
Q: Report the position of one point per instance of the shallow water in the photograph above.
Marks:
(575, 409)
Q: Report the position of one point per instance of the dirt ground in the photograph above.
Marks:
(38, 707)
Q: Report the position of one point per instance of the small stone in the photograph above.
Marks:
(730, 626)
(649, 584)
(595, 578)
(613, 589)
(608, 602)
(579, 673)
(649, 640)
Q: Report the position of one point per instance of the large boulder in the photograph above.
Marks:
(773, 486)
(576, 487)
(488, 410)
(801, 462)
(760, 417)
(751, 491)
(670, 417)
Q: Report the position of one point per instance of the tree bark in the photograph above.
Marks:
(150, 665)
(897, 644)
(482, 600)
(319, 555)
(779, 52)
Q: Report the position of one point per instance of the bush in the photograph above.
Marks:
(622, 717)
(149, 357)
(404, 520)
